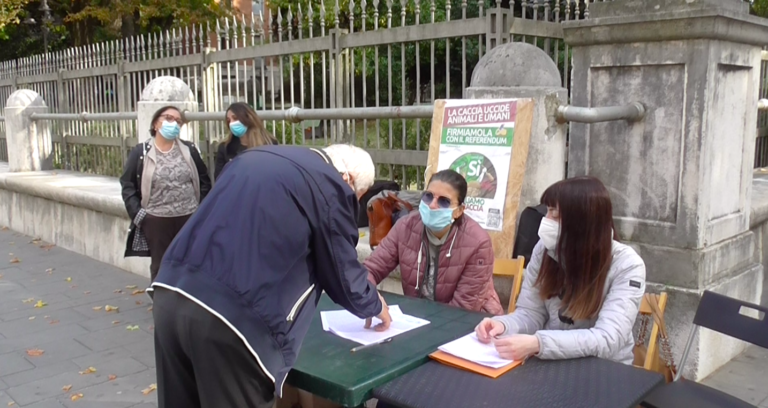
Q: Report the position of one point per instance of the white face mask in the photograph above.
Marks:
(549, 233)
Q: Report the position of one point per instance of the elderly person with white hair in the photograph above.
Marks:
(238, 287)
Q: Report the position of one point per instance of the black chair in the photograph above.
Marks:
(724, 315)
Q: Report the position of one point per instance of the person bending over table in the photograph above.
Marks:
(443, 255)
(582, 289)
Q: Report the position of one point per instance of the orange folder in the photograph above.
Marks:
(457, 362)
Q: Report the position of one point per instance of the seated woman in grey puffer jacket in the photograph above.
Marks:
(582, 289)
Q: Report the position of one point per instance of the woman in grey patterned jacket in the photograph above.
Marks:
(582, 289)
(163, 182)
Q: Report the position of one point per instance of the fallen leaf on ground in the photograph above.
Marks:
(10, 404)
(88, 370)
(137, 292)
(109, 308)
(15, 260)
(47, 247)
(96, 308)
(76, 397)
(132, 328)
(112, 377)
(1, 276)
(148, 390)
(117, 291)
(131, 287)
(66, 388)
(35, 352)
(40, 304)
(87, 292)
(139, 302)
(115, 321)
(36, 241)
(50, 271)
(53, 322)
(73, 286)
(31, 317)
(4, 229)
(69, 279)
(30, 300)
(149, 309)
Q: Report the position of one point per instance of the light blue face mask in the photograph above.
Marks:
(435, 220)
(237, 128)
(170, 130)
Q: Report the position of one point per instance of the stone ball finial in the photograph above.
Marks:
(516, 65)
(167, 89)
(24, 98)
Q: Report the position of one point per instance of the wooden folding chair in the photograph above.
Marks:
(511, 268)
(652, 358)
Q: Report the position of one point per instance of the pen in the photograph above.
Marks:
(358, 348)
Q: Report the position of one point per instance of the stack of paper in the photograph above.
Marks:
(346, 325)
(471, 349)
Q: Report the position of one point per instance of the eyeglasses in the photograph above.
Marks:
(442, 202)
(171, 118)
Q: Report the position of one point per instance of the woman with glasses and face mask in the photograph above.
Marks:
(246, 130)
(163, 182)
(582, 289)
(443, 255)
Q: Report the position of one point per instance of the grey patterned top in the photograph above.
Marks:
(173, 193)
(435, 244)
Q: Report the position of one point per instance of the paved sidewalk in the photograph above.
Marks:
(74, 336)
(71, 333)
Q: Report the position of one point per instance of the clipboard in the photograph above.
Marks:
(453, 361)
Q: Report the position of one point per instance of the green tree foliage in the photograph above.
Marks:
(10, 10)
(760, 8)
(125, 18)
(80, 22)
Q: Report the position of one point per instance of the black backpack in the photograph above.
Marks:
(377, 187)
(528, 231)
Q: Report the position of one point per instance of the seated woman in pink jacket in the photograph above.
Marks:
(443, 255)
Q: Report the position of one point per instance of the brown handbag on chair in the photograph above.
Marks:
(664, 362)
(380, 213)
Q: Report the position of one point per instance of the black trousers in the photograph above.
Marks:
(160, 232)
(201, 362)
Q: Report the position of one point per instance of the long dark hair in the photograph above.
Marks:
(152, 131)
(453, 179)
(584, 250)
(257, 134)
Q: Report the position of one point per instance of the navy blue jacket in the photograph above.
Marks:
(278, 229)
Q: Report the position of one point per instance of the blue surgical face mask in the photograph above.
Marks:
(237, 128)
(435, 220)
(170, 130)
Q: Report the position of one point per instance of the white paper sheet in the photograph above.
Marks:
(470, 348)
(348, 326)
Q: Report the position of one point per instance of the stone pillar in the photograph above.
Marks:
(166, 91)
(521, 70)
(29, 142)
(680, 179)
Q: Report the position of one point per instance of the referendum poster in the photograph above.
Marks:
(476, 141)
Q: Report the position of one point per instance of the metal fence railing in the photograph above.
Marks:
(761, 144)
(3, 144)
(366, 54)
(107, 154)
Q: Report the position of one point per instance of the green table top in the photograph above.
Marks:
(328, 369)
